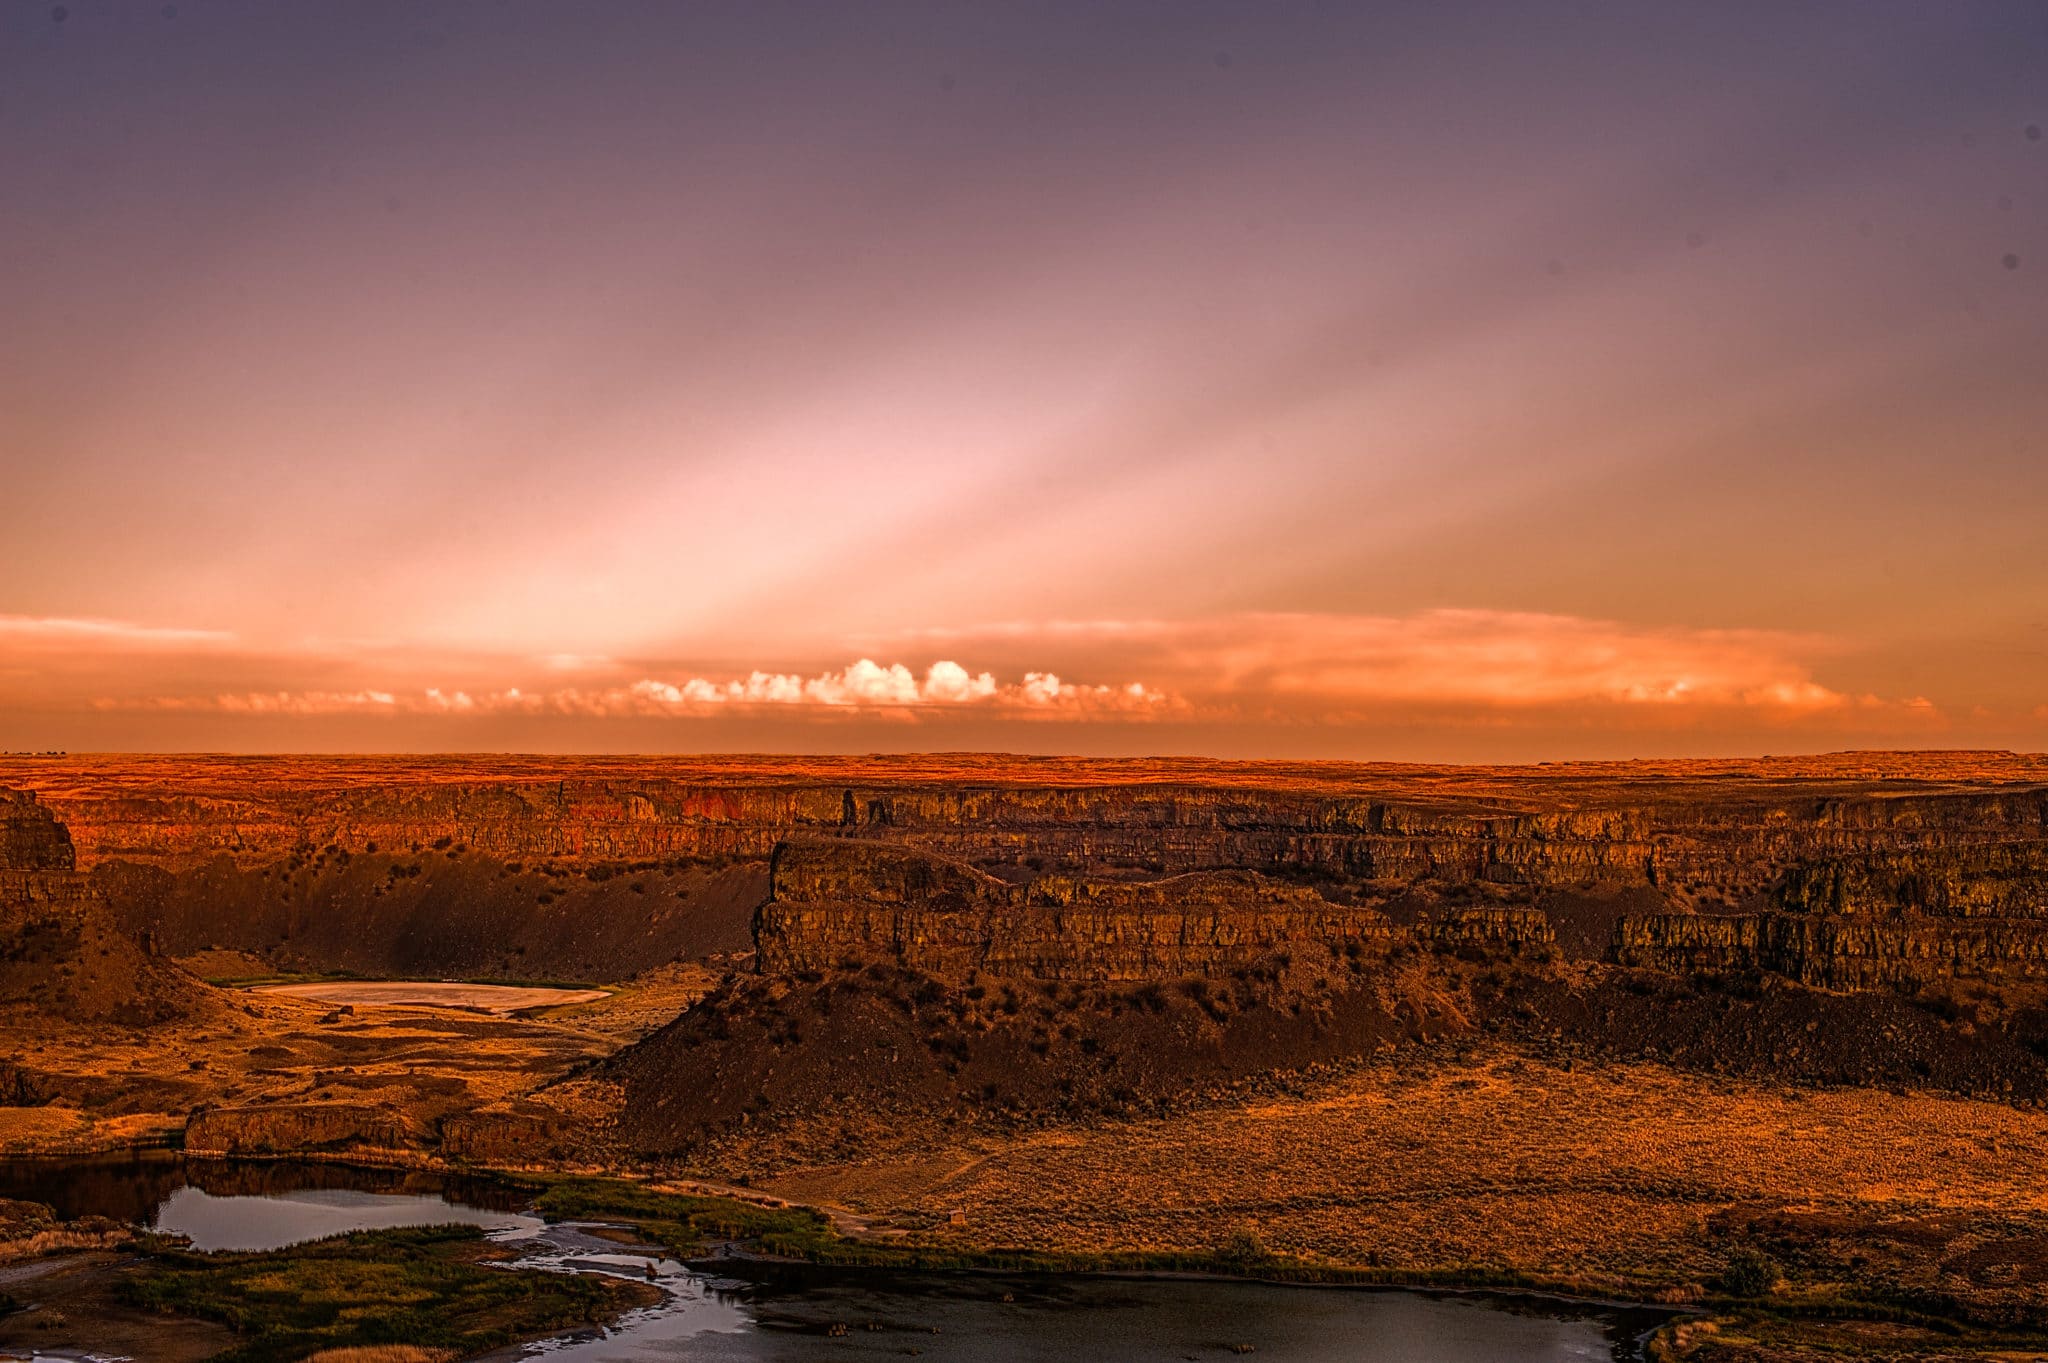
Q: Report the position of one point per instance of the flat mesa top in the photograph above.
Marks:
(491, 998)
(1556, 784)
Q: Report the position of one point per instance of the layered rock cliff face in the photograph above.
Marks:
(1716, 831)
(1882, 893)
(1856, 869)
(839, 903)
(1872, 892)
(1860, 952)
(844, 904)
(298, 1128)
(63, 953)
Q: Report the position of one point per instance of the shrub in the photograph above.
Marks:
(1749, 1273)
(1241, 1251)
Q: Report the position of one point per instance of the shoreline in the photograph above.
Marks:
(925, 1259)
(1643, 1324)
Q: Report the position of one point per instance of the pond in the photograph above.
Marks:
(258, 1204)
(744, 1311)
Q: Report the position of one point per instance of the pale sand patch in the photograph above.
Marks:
(491, 998)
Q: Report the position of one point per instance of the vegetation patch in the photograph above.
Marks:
(685, 1223)
(1772, 1336)
(425, 1287)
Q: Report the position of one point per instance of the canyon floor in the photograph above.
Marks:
(1450, 1161)
(1838, 1148)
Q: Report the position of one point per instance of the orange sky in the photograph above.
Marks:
(1103, 378)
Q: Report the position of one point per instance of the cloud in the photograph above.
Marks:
(1481, 666)
(1507, 659)
(1469, 669)
(863, 687)
(83, 634)
(866, 684)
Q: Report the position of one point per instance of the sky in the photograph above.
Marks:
(1478, 382)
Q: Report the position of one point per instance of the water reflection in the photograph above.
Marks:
(258, 1204)
(130, 1187)
(274, 1220)
(974, 1319)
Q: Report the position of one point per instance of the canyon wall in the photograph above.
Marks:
(843, 904)
(1852, 870)
(848, 903)
(1711, 831)
(1838, 952)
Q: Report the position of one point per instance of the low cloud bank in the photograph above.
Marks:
(1437, 670)
(1456, 666)
(862, 687)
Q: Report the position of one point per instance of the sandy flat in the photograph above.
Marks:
(495, 998)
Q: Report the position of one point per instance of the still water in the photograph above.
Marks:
(750, 1314)
(254, 1205)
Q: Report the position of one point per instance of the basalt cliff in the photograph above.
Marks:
(1854, 871)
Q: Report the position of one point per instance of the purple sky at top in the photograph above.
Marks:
(1484, 380)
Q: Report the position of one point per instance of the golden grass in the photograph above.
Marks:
(1606, 1175)
(382, 1353)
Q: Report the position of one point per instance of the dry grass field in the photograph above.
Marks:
(1625, 1178)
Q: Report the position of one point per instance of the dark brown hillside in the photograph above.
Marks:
(823, 1061)
(814, 1067)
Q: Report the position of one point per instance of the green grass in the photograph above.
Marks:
(419, 1285)
(687, 1224)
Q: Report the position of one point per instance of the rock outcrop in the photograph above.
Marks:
(298, 1128)
(31, 839)
(64, 954)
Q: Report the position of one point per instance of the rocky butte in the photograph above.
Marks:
(64, 952)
